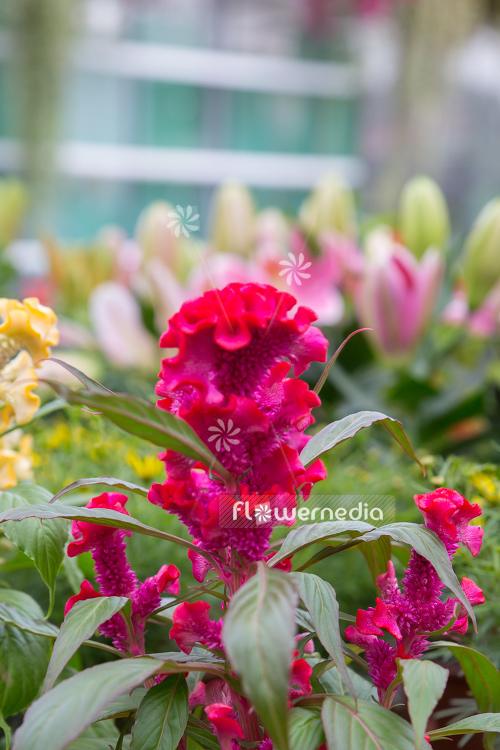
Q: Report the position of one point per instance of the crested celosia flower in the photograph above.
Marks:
(229, 382)
(225, 724)
(192, 625)
(115, 576)
(410, 614)
(26, 325)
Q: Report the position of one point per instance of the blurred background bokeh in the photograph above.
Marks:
(153, 149)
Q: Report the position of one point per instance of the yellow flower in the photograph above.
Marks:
(18, 403)
(26, 325)
(15, 459)
(59, 437)
(486, 486)
(147, 467)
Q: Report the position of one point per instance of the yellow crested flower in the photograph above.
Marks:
(15, 459)
(486, 486)
(26, 325)
(146, 468)
(18, 403)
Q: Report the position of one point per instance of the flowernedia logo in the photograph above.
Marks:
(247, 512)
(183, 221)
(295, 269)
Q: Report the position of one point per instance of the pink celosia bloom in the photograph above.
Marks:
(300, 679)
(87, 591)
(229, 383)
(192, 625)
(226, 726)
(147, 597)
(285, 564)
(411, 613)
(113, 572)
(115, 576)
(398, 293)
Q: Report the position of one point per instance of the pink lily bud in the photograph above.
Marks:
(397, 294)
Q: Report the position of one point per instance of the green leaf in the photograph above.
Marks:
(489, 722)
(314, 533)
(321, 602)
(123, 706)
(11, 616)
(42, 543)
(426, 543)
(482, 676)
(197, 731)
(424, 683)
(95, 515)
(259, 634)
(306, 730)
(80, 623)
(333, 683)
(96, 743)
(60, 716)
(370, 727)
(23, 655)
(377, 555)
(162, 716)
(345, 428)
(141, 418)
(120, 484)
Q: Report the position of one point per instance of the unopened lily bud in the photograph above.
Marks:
(155, 233)
(330, 207)
(233, 219)
(423, 216)
(482, 253)
(13, 202)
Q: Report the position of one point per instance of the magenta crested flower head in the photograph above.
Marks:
(403, 618)
(230, 382)
(91, 535)
(449, 514)
(229, 338)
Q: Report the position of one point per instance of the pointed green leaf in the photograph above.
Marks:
(141, 418)
(345, 428)
(60, 716)
(80, 623)
(94, 515)
(314, 533)
(162, 716)
(369, 727)
(377, 555)
(482, 676)
(321, 602)
(197, 731)
(306, 730)
(41, 542)
(333, 683)
(259, 634)
(120, 484)
(424, 683)
(489, 722)
(11, 616)
(124, 705)
(23, 655)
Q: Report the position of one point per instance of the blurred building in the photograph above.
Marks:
(167, 98)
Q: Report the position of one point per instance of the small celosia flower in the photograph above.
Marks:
(192, 625)
(226, 726)
(411, 614)
(115, 576)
